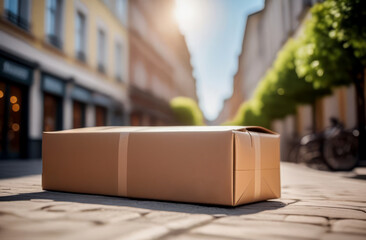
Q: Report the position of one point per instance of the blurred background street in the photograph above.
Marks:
(296, 67)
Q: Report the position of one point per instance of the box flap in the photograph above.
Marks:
(256, 165)
(257, 129)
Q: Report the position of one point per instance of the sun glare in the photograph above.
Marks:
(187, 14)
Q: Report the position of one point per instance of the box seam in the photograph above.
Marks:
(234, 168)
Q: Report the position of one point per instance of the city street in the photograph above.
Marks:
(314, 205)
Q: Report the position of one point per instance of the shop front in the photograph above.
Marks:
(15, 80)
(53, 94)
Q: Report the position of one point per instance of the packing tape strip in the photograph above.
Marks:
(122, 164)
(257, 168)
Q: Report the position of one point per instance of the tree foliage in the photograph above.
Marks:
(331, 52)
(333, 44)
(248, 115)
(349, 25)
(187, 111)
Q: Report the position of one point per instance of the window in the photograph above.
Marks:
(118, 61)
(54, 22)
(17, 12)
(121, 10)
(80, 40)
(101, 50)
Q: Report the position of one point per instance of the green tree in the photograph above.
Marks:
(287, 83)
(272, 100)
(187, 111)
(248, 115)
(333, 51)
(282, 90)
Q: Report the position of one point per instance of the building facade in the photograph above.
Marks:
(63, 64)
(159, 61)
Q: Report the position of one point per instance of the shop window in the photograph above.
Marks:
(100, 116)
(54, 22)
(80, 38)
(14, 120)
(2, 115)
(17, 12)
(52, 113)
(78, 114)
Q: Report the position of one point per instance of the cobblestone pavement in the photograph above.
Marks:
(314, 205)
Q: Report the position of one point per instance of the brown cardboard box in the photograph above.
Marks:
(214, 165)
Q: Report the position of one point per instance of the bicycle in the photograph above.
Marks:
(335, 147)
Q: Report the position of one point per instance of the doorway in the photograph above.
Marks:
(13, 121)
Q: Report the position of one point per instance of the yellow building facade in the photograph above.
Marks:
(66, 64)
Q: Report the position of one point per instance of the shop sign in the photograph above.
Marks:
(15, 71)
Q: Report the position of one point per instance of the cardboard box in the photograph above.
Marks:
(213, 165)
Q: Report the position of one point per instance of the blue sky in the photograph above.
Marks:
(214, 32)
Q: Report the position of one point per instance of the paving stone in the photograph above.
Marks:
(175, 221)
(9, 219)
(264, 216)
(350, 226)
(121, 231)
(10, 206)
(40, 215)
(54, 228)
(331, 203)
(341, 236)
(73, 207)
(103, 216)
(307, 219)
(239, 228)
(327, 212)
(198, 237)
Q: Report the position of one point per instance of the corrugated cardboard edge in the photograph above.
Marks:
(233, 164)
(246, 129)
(122, 164)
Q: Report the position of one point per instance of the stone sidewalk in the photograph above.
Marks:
(314, 205)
